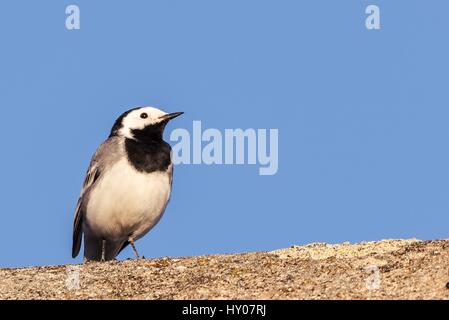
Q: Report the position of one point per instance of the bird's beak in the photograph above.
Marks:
(170, 116)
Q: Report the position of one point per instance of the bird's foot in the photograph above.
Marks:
(103, 251)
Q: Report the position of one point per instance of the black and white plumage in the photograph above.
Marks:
(127, 185)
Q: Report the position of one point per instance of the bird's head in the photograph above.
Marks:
(142, 123)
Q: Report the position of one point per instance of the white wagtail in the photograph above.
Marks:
(127, 185)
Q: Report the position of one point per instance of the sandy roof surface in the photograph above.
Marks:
(389, 269)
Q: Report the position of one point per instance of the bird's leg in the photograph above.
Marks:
(131, 241)
(103, 250)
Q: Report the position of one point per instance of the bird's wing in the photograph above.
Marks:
(106, 154)
(92, 175)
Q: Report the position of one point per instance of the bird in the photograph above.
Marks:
(127, 185)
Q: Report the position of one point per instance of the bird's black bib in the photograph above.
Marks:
(148, 152)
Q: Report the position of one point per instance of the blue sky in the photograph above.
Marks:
(362, 118)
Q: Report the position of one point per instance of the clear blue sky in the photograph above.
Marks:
(362, 118)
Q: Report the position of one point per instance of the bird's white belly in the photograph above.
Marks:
(126, 202)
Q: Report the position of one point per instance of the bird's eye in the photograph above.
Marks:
(144, 115)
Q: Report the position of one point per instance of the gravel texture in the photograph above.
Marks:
(388, 269)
